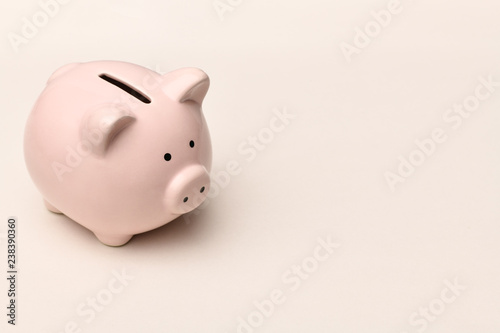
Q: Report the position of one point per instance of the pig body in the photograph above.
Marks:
(119, 148)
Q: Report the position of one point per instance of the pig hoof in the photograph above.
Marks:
(51, 208)
(113, 240)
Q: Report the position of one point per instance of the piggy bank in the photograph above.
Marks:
(119, 148)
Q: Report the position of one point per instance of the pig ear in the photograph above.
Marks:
(101, 125)
(62, 70)
(186, 84)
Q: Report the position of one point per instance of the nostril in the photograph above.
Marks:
(202, 189)
(185, 199)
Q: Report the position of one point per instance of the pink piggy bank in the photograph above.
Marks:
(119, 148)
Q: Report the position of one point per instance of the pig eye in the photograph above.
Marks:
(191, 143)
(167, 157)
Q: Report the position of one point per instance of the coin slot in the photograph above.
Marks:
(125, 87)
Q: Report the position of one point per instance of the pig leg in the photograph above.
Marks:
(113, 240)
(50, 207)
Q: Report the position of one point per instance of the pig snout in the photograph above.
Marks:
(188, 189)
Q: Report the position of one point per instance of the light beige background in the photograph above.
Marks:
(322, 176)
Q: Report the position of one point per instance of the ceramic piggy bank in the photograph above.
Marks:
(119, 148)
